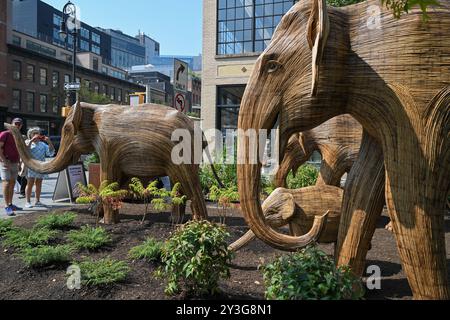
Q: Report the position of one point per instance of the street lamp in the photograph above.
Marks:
(70, 11)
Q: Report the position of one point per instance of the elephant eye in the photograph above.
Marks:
(273, 66)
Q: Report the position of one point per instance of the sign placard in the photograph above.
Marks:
(66, 185)
(180, 77)
(72, 86)
(180, 102)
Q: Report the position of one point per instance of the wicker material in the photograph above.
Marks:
(337, 140)
(298, 209)
(393, 77)
(131, 142)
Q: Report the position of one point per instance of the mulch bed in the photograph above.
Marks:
(246, 282)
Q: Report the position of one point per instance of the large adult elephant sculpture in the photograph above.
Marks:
(393, 77)
(131, 142)
(337, 140)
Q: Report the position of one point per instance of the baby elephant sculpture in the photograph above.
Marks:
(298, 209)
(337, 140)
(131, 142)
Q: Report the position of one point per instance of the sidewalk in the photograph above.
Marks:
(48, 186)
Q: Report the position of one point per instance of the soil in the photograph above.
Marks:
(246, 283)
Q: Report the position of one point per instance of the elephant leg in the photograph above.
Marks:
(109, 173)
(188, 176)
(362, 206)
(417, 205)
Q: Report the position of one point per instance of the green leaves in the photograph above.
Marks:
(309, 275)
(23, 238)
(195, 258)
(103, 272)
(404, 6)
(150, 250)
(45, 255)
(89, 238)
(56, 221)
(306, 176)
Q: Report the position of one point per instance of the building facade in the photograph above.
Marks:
(160, 84)
(42, 21)
(235, 32)
(5, 16)
(152, 47)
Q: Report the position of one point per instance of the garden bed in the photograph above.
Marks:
(20, 282)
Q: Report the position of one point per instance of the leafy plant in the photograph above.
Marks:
(404, 6)
(108, 194)
(150, 250)
(89, 238)
(45, 255)
(224, 198)
(56, 221)
(5, 226)
(23, 238)
(306, 176)
(92, 158)
(103, 272)
(195, 257)
(93, 97)
(309, 275)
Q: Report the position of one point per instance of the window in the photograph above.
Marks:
(16, 40)
(84, 45)
(16, 99)
(30, 73)
(55, 79)
(96, 37)
(247, 25)
(17, 70)
(229, 101)
(96, 88)
(95, 64)
(78, 80)
(85, 33)
(87, 84)
(119, 95)
(43, 77)
(43, 103)
(30, 101)
(66, 78)
(95, 49)
(55, 104)
(57, 20)
(105, 90)
(113, 94)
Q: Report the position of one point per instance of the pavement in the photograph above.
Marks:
(48, 187)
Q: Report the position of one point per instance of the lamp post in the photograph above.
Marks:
(70, 11)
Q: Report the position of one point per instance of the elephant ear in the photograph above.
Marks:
(75, 116)
(317, 36)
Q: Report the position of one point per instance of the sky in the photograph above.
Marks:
(175, 24)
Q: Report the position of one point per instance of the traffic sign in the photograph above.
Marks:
(72, 86)
(180, 102)
(180, 77)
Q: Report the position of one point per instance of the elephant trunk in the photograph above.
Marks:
(63, 159)
(256, 116)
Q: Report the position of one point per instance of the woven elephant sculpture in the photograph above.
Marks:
(337, 140)
(298, 209)
(131, 142)
(393, 77)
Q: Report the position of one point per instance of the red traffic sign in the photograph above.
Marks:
(180, 102)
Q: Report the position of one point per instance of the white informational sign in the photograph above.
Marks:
(66, 185)
(180, 77)
(74, 86)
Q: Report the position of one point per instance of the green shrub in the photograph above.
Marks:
(24, 238)
(306, 176)
(89, 238)
(195, 257)
(92, 158)
(150, 250)
(103, 272)
(45, 255)
(5, 226)
(56, 221)
(309, 275)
